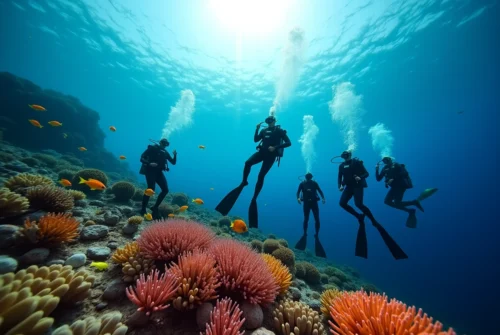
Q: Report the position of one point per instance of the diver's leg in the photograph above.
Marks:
(358, 201)
(267, 164)
(398, 200)
(150, 181)
(307, 210)
(162, 183)
(315, 210)
(344, 199)
(393, 196)
(254, 159)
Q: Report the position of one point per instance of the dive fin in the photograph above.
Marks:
(155, 213)
(394, 248)
(253, 215)
(361, 242)
(320, 252)
(229, 200)
(301, 244)
(419, 205)
(411, 222)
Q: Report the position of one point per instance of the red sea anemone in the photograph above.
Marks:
(243, 272)
(225, 319)
(166, 240)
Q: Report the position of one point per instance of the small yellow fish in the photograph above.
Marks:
(201, 147)
(123, 157)
(171, 215)
(55, 123)
(149, 192)
(148, 216)
(35, 123)
(198, 201)
(239, 226)
(82, 149)
(101, 266)
(65, 182)
(65, 135)
(183, 208)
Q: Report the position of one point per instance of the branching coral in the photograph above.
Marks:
(24, 180)
(12, 203)
(56, 280)
(153, 293)
(327, 298)
(360, 313)
(297, 318)
(244, 273)
(198, 277)
(133, 263)
(51, 230)
(280, 272)
(225, 319)
(50, 198)
(166, 240)
(122, 255)
(108, 324)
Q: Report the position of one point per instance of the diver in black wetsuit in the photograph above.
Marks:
(352, 182)
(398, 179)
(154, 161)
(310, 189)
(273, 140)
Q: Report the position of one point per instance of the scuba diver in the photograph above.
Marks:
(398, 179)
(352, 182)
(310, 189)
(154, 161)
(273, 139)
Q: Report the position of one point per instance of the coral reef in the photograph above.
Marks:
(108, 324)
(225, 319)
(123, 191)
(12, 203)
(25, 180)
(51, 230)
(297, 318)
(136, 219)
(327, 298)
(50, 198)
(280, 272)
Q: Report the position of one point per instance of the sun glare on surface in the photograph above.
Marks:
(250, 17)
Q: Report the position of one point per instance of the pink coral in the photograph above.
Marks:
(166, 240)
(152, 294)
(225, 319)
(243, 272)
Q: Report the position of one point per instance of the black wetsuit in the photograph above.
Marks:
(310, 190)
(400, 183)
(270, 136)
(347, 172)
(154, 175)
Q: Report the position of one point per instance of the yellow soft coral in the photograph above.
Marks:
(108, 324)
(133, 263)
(51, 229)
(327, 298)
(297, 318)
(12, 203)
(279, 271)
(135, 219)
(122, 255)
(24, 180)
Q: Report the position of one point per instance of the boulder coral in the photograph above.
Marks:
(123, 191)
(108, 324)
(25, 180)
(50, 199)
(12, 203)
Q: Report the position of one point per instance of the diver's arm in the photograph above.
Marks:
(286, 141)
(380, 175)
(172, 160)
(257, 136)
(364, 173)
(320, 191)
(339, 180)
(145, 157)
(299, 190)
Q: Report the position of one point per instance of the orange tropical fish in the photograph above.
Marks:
(148, 216)
(239, 226)
(123, 157)
(55, 123)
(149, 192)
(82, 148)
(171, 215)
(35, 123)
(183, 208)
(112, 128)
(201, 146)
(94, 184)
(38, 108)
(198, 201)
(65, 182)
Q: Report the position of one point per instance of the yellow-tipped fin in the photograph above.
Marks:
(82, 181)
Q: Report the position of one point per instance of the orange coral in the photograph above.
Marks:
(52, 229)
(280, 272)
(199, 279)
(363, 314)
(122, 255)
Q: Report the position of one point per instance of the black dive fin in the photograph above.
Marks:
(301, 244)
(253, 215)
(394, 248)
(411, 222)
(361, 242)
(155, 213)
(320, 252)
(229, 200)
